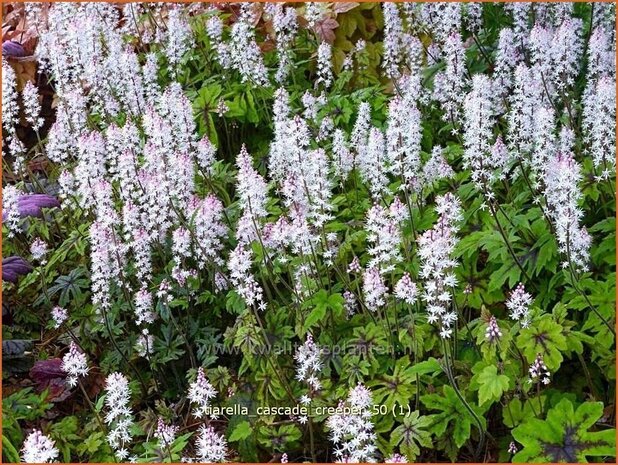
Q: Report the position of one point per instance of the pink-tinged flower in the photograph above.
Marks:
(353, 434)
(479, 121)
(164, 292)
(166, 434)
(493, 333)
(179, 37)
(601, 55)
(221, 282)
(474, 16)
(285, 24)
(566, 53)
(360, 132)
(222, 108)
(544, 141)
(252, 193)
(343, 158)
(599, 125)
(105, 266)
(307, 188)
(38, 448)
(207, 221)
(449, 84)
(393, 40)
(436, 248)
(406, 290)
(210, 446)
(350, 304)
(144, 345)
(284, 458)
(32, 106)
(91, 168)
(214, 30)
(525, 101)
(74, 364)
(59, 315)
(152, 90)
(10, 108)
(314, 13)
(38, 250)
(119, 416)
(374, 289)
(519, 305)
(374, 163)
(246, 57)
(508, 56)
(360, 397)
(142, 253)
(404, 131)
(325, 72)
(384, 237)
(280, 147)
(512, 448)
(538, 371)
(396, 458)
(563, 195)
(436, 168)
(200, 393)
(206, 154)
(239, 264)
(355, 266)
(143, 307)
(181, 275)
(181, 244)
(308, 363)
(11, 215)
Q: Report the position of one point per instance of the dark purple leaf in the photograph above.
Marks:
(58, 390)
(13, 267)
(10, 48)
(49, 374)
(15, 347)
(45, 370)
(31, 205)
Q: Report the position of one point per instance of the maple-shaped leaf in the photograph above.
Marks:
(452, 412)
(543, 337)
(564, 437)
(412, 434)
(517, 412)
(325, 29)
(491, 384)
(395, 389)
(342, 7)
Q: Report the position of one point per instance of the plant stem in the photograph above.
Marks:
(451, 378)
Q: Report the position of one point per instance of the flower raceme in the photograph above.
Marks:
(119, 416)
(210, 446)
(38, 448)
(435, 250)
(308, 363)
(74, 364)
(353, 433)
(518, 304)
(200, 393)
(562, 176)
